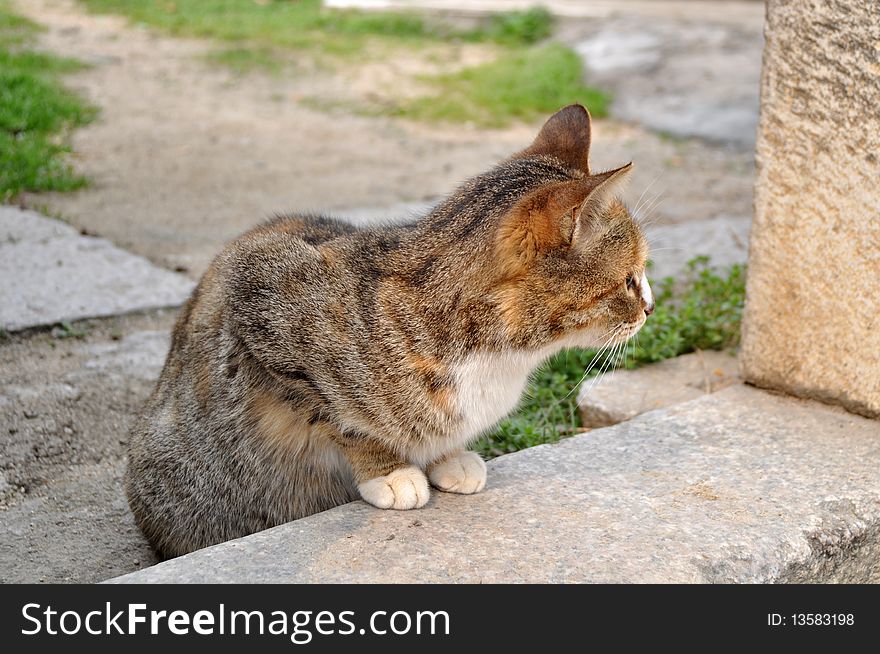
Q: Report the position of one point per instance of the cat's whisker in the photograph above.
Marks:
(647, 188)
(594, 360)
(620, 355)
(650, 199)
(604, 366)
(545, 412)
(647, 210)
(655, 203)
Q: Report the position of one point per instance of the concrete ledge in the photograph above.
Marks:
(624, 394)
(738, 486)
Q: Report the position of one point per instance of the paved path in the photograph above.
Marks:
(683, 77)
(52, 273)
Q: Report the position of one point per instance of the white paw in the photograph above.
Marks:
(405, 488)
(464, 473)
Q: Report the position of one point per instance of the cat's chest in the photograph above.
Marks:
(488, 386)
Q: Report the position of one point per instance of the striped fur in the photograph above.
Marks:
(314, 358)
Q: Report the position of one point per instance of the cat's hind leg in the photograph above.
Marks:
(462, 472)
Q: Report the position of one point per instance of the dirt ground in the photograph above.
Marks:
(185, 156)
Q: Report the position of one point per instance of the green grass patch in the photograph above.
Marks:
(36, 113)
(703, 311)
(523, 85)
(305, 24)
(527, 81)
(246, 59)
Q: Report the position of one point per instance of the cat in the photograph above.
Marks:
(317, 363)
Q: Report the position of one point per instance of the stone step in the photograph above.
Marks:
(737, 486)
(52, 273)
(624, 394)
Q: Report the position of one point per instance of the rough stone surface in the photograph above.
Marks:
(740, 485)
(624, 394)
(812, 319)
(52, 273)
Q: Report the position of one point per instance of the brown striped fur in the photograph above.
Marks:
(314, 356)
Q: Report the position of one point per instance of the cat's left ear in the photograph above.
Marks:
(565, 136)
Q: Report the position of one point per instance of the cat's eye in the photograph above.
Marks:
(631, 282)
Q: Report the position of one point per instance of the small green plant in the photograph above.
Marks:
(36, 113)
(65, 329)
(520, 86)
(702, 311)
(521, 27)
(245, 59)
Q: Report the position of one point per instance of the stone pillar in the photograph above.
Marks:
(812, 318)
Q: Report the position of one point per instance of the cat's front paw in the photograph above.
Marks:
(463, 472)
(405, 488)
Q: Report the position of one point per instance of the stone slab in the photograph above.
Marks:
(736, 11)
(52, 273)
(624, 394)
(737, 486)
(812, 318)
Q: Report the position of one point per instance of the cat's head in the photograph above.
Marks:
(569, 259)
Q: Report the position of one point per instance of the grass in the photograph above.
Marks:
(523, 86)
(528, 79)
(701, 312)
(304, 24)
(64, 330)
(36, 113)
(246, 59)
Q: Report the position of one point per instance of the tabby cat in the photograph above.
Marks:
(317, 363)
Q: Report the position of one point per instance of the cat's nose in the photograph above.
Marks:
(647, 296)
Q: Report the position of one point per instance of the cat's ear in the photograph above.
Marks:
(566, 136)
(557, 215)
(605, 188)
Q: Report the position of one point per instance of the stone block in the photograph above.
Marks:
(812, 319)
